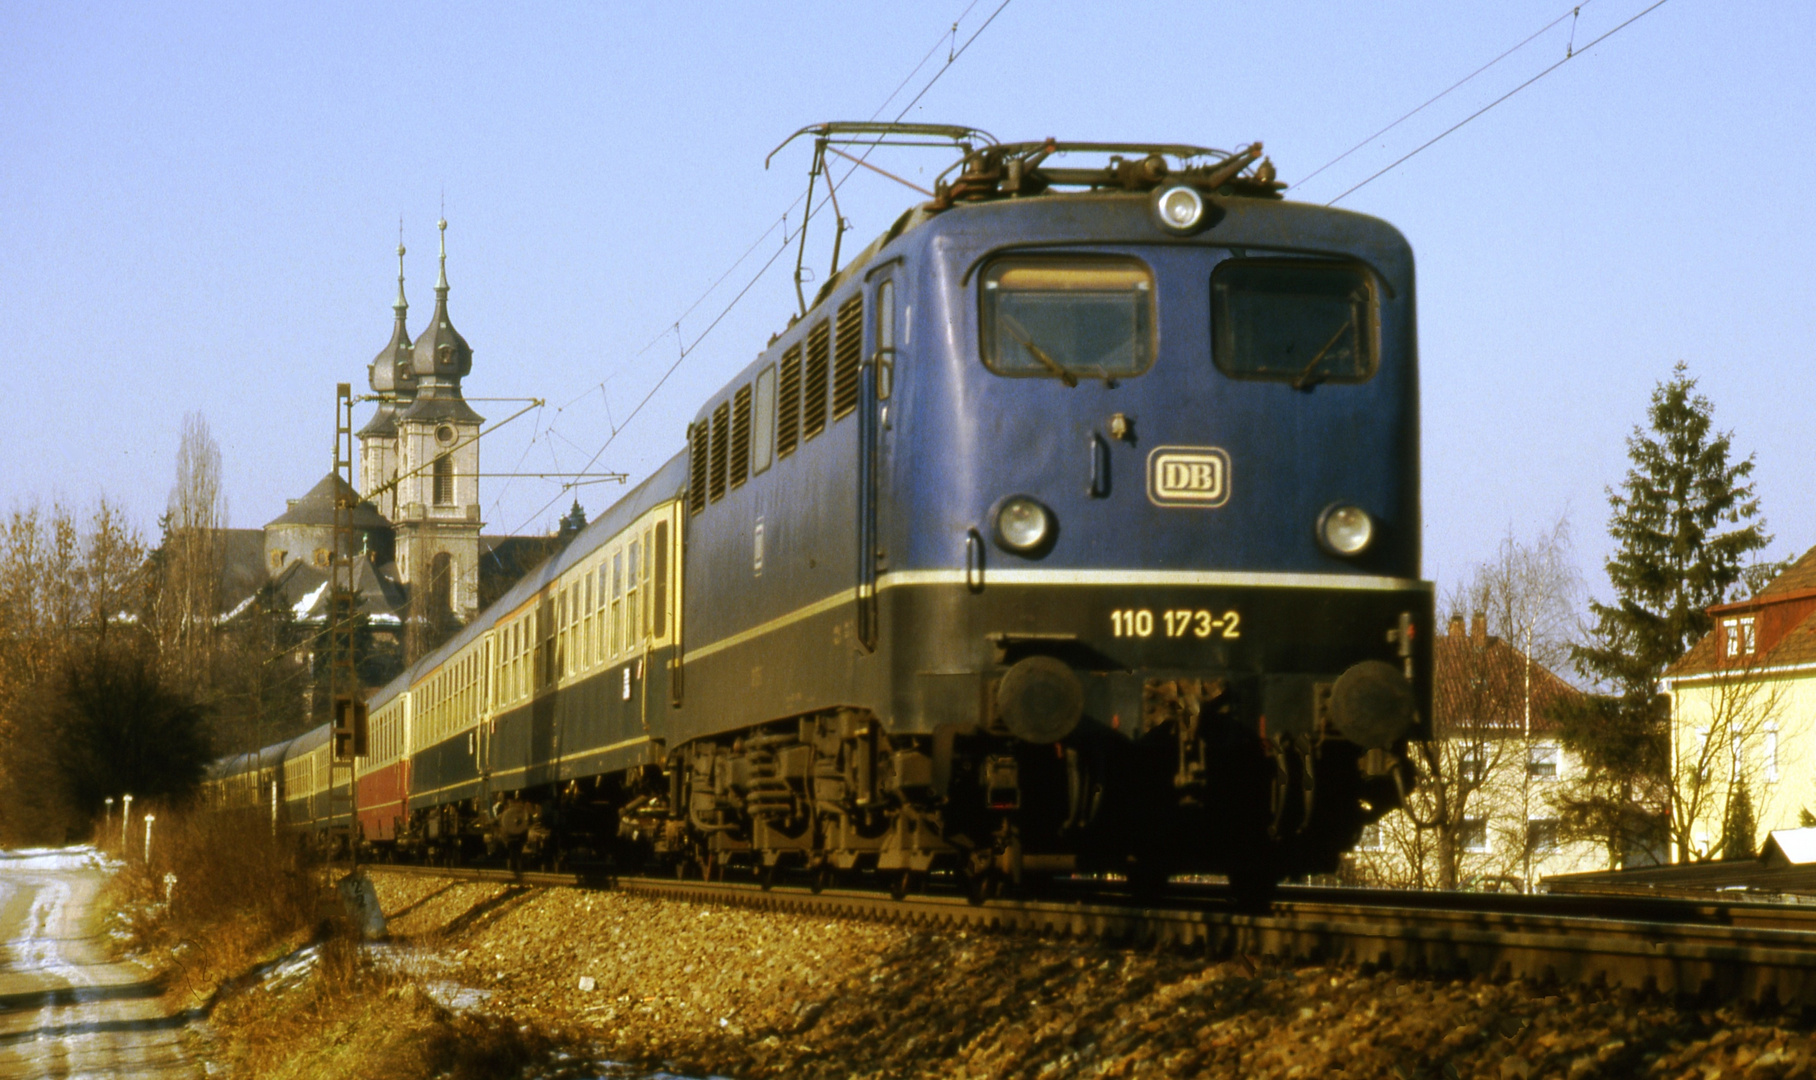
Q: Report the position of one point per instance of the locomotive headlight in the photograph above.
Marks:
(1179, 208)
(1023, 525)
(1345, 530)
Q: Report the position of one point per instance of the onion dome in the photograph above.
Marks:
(389, 373)
(441, 353)
(438, 361)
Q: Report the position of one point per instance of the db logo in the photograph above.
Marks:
(1188, 476)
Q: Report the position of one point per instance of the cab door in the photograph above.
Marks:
(875, 386)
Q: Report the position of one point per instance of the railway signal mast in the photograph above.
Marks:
(347, 704)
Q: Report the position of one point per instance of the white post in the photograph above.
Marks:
(107, 816)
(149, 818)
(125, 821)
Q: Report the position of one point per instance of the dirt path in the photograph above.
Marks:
(66, 1010)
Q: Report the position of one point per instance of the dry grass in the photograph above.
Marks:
(221, 894)
(246, 900)
(352, 1018)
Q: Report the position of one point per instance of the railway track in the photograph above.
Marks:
(1701, 952)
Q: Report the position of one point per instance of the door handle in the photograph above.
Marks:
(974, 561)
(1100, 467)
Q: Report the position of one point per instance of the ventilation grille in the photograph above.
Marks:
(696, 477)
(813, 399)
(849, 355)
(788, 404)
(740, 436)
(721, 432)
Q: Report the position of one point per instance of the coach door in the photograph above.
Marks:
(873, 396)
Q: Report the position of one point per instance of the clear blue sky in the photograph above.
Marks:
(199, 205)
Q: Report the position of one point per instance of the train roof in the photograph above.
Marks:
(264, 757)
(662, 486)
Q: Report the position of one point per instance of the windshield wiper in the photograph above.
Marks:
(1040, 354)
(1304, 380)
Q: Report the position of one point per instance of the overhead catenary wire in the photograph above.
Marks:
(1569, 55)
(953, 55)
(1571, 15)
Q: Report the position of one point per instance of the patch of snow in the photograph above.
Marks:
(307, 603)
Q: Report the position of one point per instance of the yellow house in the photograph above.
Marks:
(1743, 722)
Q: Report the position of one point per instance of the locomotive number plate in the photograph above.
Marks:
(1174, 623)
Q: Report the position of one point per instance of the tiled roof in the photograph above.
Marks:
(1481, 681)
(1781, 601)
(1800, 576)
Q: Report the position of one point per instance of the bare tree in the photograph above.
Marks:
(188, 597)
(1469, 817)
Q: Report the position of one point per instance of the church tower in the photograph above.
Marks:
(394, 383)
(437, 499)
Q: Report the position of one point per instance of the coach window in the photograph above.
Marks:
(1297, 321)
(658, 601)
(617, 602)
(1067, 317)
(588, 649)
(632, 617)
(601, 631)
(763, 420)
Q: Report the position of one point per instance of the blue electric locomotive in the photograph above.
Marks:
(1065, 530)
(1072, 527)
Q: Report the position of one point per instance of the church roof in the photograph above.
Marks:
(438, 403)
(317, 507)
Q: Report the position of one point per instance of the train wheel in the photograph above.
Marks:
(766, 877)
(902, 885)
(822, 877)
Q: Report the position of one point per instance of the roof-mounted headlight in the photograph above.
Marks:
(1345, 530)
(1180, 208)
(1023, 526)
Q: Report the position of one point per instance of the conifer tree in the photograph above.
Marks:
(1686, 523)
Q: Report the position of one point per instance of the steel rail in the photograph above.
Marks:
(1701, 952)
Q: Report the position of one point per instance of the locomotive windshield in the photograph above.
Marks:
(1294, 320)
(1067, 317)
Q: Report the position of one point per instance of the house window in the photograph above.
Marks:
(1472, 765)
(277, 559)
(1473, 835)
(1541, 762)
(1541, 835)
(321, 556)
(444, 480)
(1371, 838)
(1739, 636)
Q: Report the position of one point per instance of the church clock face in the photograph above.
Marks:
(444, 434)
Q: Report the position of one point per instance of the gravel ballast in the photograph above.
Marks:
(756, 994)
